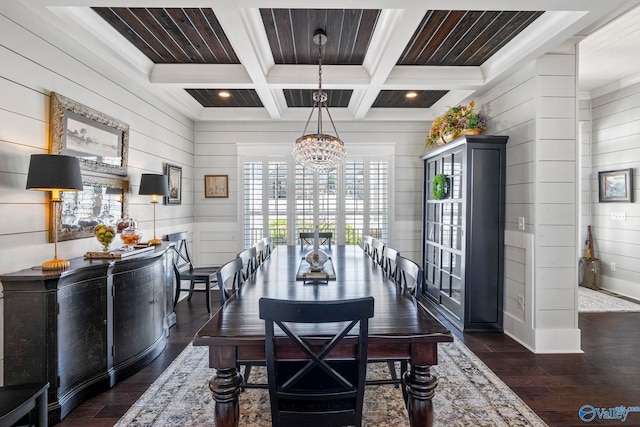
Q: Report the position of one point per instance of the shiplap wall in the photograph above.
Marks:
(219, 230)
(616, 145)
(584, 133)
(35, 61)
(536, 107)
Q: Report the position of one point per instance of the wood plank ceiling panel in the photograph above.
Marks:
(337, 98)
(173, 35)
(237, 98)
(398, 98)
(290, 34)
(458, 38)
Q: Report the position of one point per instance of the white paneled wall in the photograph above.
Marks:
(536, 107)
(219, 230)
(40, 60)
(616, 145)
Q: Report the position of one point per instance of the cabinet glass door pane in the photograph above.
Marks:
(456, 265)
(456, 186)
(446, 236)
(445, 284)
(456, 289)
(456, 238)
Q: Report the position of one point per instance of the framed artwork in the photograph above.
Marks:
(216, 186)
(103, 200)
(175, 185)
(616, 185)
(99, 141)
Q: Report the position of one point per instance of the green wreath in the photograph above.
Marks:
(440, 187)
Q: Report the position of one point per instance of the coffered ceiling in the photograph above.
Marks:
(260, 54)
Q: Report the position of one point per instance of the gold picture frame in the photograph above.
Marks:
(99, 141)
(216, 186)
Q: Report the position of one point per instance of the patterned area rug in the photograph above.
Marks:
(468, 394)
(592, 301)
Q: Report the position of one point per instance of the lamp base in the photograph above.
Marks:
(154, 242)
(55, 264)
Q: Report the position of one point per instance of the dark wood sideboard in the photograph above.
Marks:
(84, 329)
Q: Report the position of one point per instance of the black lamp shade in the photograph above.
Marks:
(54, 172)
(152, 184)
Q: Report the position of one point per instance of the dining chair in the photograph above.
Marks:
(229, 278)
(389, 262)
(249, 262)
(377, 251)
(267, 245)
(184, 270)
(367, 242)
(260, 251)
(316, 389)
(409, 276)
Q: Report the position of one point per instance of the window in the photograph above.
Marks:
(349, 202)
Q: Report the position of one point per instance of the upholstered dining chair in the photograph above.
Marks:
(315, 390)
(185, 271)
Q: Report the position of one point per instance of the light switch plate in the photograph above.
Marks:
(618, 216)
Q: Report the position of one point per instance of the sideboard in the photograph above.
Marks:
(88, 327)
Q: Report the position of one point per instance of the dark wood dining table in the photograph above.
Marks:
(400, 329)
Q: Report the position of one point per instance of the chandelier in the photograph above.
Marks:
(319, 151)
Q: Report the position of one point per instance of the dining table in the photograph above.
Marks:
(401, 328)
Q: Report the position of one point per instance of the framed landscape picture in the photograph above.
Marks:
(100, 142)
(175, 185)
(216, 186)
(616, 185)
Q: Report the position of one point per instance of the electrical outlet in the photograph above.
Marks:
(613, 266)
(521, 223)
(520, 302)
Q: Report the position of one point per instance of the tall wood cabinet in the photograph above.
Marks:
(463, 233)
(84, 329)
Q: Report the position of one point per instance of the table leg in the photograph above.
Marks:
(420, 387)
(225, 387)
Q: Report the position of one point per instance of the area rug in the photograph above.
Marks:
(468, 394)
(592, 301)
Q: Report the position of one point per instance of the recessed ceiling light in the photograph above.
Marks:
(224, 94)
(410, 95)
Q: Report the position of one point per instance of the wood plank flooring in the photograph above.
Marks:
(555, 386)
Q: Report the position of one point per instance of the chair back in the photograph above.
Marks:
(377, 251)
(367, 242)
(182, 258)
(389, 262)
(260, 251)
(230, 278)
(409, 275)
(267, 246)
(249, 262)
(316, 388)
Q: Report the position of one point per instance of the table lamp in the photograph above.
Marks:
(153, 184)
(55, 173)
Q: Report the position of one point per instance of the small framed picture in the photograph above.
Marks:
(216, 186)
(175, 185)
(616, 185)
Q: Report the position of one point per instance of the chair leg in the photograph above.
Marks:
(207, 297)
(392, 371)
(177, 297)
(191, 287)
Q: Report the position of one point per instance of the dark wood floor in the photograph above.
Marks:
(606, 375)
